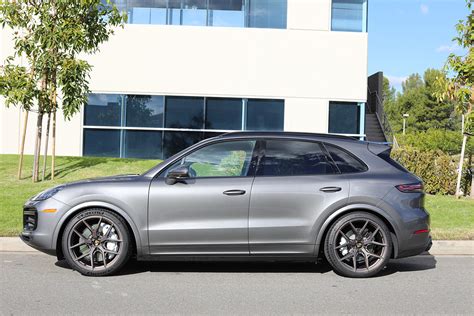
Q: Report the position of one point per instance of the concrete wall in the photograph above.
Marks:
(306, 64)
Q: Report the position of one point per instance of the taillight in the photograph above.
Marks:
(410, 188)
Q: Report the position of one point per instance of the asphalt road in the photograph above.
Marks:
(33, 283)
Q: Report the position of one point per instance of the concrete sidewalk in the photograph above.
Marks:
(440, 247)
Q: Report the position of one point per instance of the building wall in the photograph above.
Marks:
(306, 64)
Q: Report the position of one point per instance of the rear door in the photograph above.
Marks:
(295, 182)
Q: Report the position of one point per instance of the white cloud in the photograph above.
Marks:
(424, 9)
(396, 80)
(448, 48)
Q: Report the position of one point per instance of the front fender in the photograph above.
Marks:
(326, 220)
(140, 240)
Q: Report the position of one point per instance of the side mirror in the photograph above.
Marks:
(177, 174)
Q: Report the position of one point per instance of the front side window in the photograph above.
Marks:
(226, 159)
(349, 15)
(294, 158)
(346, 162)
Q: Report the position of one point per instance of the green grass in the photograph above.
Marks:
(451, 218)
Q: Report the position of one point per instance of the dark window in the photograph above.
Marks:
(223, 113)
(143, 144)
(344, 117)
(144, 111)
(294, 158)
(265, 115)
(346, 162)
(103, 110)
(101, 143)
(184, 112)
(174, 142)
(349, 15)
(268, 13)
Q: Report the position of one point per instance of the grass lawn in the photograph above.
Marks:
(450, 218)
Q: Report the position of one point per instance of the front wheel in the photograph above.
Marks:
(96, 242)
(358, 245)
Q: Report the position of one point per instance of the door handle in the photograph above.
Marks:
(330, 189)
(234, 192)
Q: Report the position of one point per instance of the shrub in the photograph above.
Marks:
(435, 168)
(448, 142)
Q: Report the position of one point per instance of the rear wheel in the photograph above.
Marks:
(96, 242)
(358, 245)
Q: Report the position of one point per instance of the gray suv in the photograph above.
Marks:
(241, 196)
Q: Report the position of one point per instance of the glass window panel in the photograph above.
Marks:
(268, 13)
(349, 15)
(184, 112)
(229, 13)
(343, 118)
(345, 161)
(147, 11)
(103, 110)
(174, 142)
(143, 144)
(227, 159)
(224, 113)
(194, 12)
(174, 12)
(293, 158)
(101, 142)
(144, 111)
(265, 114)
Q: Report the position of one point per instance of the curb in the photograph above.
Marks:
(440, 247)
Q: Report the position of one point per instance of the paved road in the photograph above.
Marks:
(36, 283)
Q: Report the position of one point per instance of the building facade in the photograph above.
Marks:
(183, 70)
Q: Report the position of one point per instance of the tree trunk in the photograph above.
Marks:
(461, 162)
(53, 145)
(39, 130)
(45, 159)
(22, 146)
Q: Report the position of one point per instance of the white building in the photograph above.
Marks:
(181, 70)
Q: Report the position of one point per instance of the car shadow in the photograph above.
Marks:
(411, 264)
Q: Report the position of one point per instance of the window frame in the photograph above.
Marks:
(320, 143)
(252, 165)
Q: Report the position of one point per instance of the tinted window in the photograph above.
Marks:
(268, 13)
(174, 142)
(144, 111)
(143, 144)
(344, 117)
(346, 162)
(225, 114)
(293, 158)
(103, 110)
(265, 115)
(349, 15)
(227, 159)
(184, 112)
(101, 143)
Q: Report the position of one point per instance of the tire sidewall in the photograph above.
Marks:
(330, 251)
(126, 245)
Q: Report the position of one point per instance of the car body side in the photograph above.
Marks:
(372, 191)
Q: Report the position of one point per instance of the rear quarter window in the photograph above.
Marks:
(345, 161)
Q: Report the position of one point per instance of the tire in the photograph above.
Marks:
(358, 245)
(101, 233)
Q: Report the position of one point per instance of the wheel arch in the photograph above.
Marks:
(136, 241)
(334, 216)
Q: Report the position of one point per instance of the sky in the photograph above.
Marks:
(409, 36)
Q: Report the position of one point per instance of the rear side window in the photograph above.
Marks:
(294, 158)
(345, 161)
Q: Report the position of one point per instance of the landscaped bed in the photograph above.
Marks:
(451, 218)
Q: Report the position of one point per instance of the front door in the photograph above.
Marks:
(206, 213)
(295, 182)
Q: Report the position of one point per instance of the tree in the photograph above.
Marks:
(50, 35)
(458, 84)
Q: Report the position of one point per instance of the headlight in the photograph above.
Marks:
(47, 193)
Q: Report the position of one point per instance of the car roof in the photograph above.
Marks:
(272, 134)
